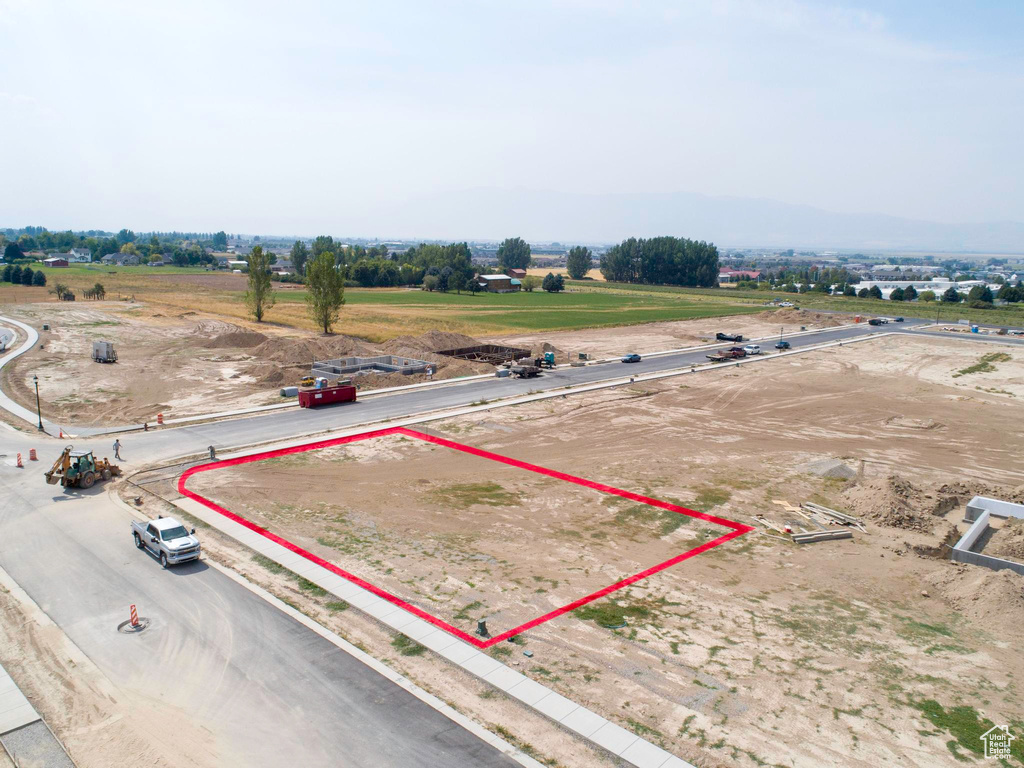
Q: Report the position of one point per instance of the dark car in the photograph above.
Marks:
(874, 321)
(728, 337)
(631, 358)
(782, 345)
(898, 320)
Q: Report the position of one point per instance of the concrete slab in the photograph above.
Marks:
(438, 640)
(643, 754)
(504, 678)
(419, 629)
(18, 717)
(529, 692)
(480, 664)
(613, 738)
(459, 652)
(583, 721)
(555, 706)
(676, 762)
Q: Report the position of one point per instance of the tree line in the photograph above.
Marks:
(662, 260)
(17, 275)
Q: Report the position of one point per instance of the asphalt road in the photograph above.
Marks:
(270, 691)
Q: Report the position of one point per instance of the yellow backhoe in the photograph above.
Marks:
(80, 469)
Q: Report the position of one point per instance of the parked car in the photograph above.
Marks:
(728, 337)
(752, 349)
(874, 321)
(898, 320)
(631, 358)
(786, 304)
(168, 539)
(782, 344)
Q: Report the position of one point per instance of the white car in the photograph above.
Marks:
(786, 304)
(752, 349)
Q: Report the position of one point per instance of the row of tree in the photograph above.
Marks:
(662, 260)
(17, 275)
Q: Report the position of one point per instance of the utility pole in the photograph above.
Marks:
(39, 413)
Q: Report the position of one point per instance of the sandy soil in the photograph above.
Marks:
(656, 337)
(760, 651)
(183, 363)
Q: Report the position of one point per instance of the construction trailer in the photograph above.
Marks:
(104, 352)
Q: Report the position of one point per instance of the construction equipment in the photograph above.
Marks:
(525, 371)
(104, 352)
(307, 381)
(80, 469)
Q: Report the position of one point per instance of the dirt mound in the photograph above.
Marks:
(808, 317)
(303, 351)
(995, 599)
(893, 502)
(431, 341)
(1008, 541)
(217, 335)
(831, 468)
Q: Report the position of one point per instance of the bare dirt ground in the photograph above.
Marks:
(183, 363)
(759, 652)
(655, 337)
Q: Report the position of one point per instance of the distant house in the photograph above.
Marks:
(121, 259)
(730, 275)
(237, 264)
(56, 261)
(498, 283)
(282, 267)
(79, 255)
(518, 274)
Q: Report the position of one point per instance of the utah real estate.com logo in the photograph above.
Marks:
(997, 741)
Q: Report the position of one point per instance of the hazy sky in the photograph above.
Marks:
(306, 117)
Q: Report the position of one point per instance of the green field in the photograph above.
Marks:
(379, 314)
(1010, 315)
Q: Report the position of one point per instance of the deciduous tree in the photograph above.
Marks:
(513, 253)
(299, 255)
(325, 291)
(579, 261)
(259, 297)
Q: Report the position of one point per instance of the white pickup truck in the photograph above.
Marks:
(168, 539)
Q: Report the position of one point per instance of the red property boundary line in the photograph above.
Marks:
(736, 529)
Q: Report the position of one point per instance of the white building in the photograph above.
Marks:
(79, 255)
(939, 285)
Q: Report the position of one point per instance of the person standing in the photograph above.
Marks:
(117, 449)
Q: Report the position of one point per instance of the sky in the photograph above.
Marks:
(304, 117)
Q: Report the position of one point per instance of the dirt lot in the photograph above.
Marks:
(656, 337)
(864, 652)
(183, 363)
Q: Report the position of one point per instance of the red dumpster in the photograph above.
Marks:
(311, 398)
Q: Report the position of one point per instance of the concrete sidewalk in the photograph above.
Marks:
(23, 734)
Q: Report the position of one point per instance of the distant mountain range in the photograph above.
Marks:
(489, 213)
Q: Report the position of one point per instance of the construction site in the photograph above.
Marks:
(834, 600)
(178, 363)
(720, 558)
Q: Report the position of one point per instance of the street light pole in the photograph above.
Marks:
(39, 413)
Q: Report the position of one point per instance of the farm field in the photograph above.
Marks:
(1012, 314)
(740, 655)
(380, 314)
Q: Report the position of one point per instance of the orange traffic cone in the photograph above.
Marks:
(159, 418)
(62, 434)
(19, 462)
(32, 454)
